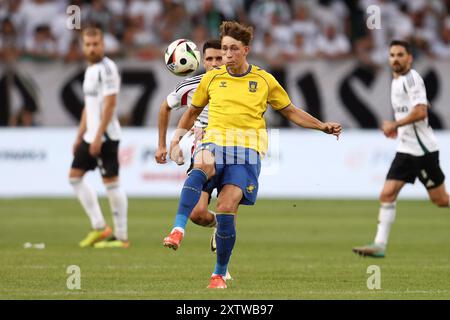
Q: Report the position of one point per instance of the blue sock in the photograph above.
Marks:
(190, 194)
(225, 239)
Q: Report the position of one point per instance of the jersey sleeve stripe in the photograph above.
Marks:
(189, 80)
(107, 68)
(184, 98)
(410, 79)
(185, 84)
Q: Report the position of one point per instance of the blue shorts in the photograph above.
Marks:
(238, 166)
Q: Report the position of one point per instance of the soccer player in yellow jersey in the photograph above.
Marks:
(235, 139)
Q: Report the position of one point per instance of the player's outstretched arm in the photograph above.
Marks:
(305, 120)
(81, 131)
(184, 125)
(419, 113)
(163, 123)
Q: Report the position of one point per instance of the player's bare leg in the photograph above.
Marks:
(204, 217)
(386, 217)
(204, 168)
(227, 208)
(118, 203)
(201, 215)
(439, 196)
(89, 201)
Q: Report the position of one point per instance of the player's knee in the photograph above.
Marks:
(226, 207)
(208, 169)
(198, 216)
(441, 201)
(75, 175)
(387, 196)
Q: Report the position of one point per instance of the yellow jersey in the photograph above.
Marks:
(237, 104)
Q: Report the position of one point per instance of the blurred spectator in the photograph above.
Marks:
(174, 24)
(37, 13)
(261, 13)
(142, 28)
(142, 19)
(282, 32)
(9, 43)
(43, 45)
(99, 15)
(301, 49)
(441, 48)
(332, 45)
(17, 17)
(332, 12)
(74, 52)
(424, 34)
(199, 35)
(136, 35)
(268, 51)
(117, 8)
(303, 24)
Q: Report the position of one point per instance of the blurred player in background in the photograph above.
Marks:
(97, 145)
(236, 136)
(417, 152)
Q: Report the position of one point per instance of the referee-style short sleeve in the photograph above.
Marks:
(201, 96)
(110, 79)
(416, 89)
(278, 97)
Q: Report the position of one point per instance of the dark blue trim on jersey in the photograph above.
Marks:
(241, 75)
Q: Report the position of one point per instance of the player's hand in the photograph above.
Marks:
(95, 147)
(332, 128)
(76, 145)
(176, 154)
(161, 155)
(389, 129)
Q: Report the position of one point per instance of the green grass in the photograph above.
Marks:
(286, 249)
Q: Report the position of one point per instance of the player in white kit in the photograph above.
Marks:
(181, 98)
(417, 152)
(97, 145)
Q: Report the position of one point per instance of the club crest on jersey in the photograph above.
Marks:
(250, 188)
(252, 86)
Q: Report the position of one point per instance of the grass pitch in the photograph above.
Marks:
(285, 249)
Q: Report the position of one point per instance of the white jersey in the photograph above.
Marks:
(100, 80)
(408, 91)
(182, 97)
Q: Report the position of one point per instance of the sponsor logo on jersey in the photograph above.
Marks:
(402, 109)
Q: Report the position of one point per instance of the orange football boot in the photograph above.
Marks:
(173, 240)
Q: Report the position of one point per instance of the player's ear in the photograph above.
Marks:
(410, 58)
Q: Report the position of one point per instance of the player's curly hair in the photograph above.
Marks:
(236, 31)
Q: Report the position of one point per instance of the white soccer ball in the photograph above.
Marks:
(182, 57)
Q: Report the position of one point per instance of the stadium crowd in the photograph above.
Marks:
(286, 30)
